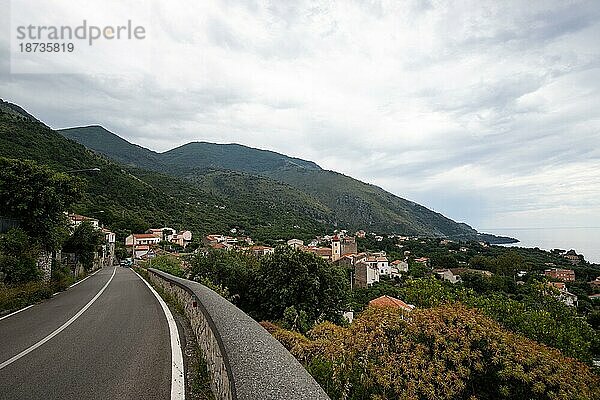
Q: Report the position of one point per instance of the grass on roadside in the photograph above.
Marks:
(15, 297)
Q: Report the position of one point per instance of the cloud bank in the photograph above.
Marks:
(485, 111)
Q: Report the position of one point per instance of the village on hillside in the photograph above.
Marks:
(366, 267)
(340, 248)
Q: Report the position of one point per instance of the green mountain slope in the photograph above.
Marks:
(359, 204)
(202, 155)
(122, 151)
(341, 200)
(132, 199)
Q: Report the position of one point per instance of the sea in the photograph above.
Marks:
(584, 240)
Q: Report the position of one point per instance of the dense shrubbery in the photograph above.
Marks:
(35, 198)
(13, 297)
(17, 257)
(84, 242)
(544, 319)
(446, 352)
(532, 313)
(266, 287)
(167, 263)
(18, 296)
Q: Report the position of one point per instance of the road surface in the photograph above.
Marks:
(117, 348)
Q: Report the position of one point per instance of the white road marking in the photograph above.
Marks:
(61, 328)
(16, 312)
(31, 305)
(177, 376)
(90, 275)
(78, 282)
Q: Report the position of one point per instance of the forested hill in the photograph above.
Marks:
(131, 199)
(122, 151)
(349, 203)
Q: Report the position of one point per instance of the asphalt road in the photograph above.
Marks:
(118, 348)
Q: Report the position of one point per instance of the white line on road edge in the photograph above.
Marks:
(177, 377)
(31, 305)
(16, 312)
(89, 276)
(61, 328)
(78, 282)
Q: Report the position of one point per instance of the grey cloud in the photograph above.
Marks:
(507, 120)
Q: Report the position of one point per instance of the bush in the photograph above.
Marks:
(18, 257)
(303, 280)
(19, 296)
(166, 263)
(446, 352)
(266, 287)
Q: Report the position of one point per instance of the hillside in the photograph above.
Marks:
(336, 198)
(128, 199)
(202, 155)
(122, 151)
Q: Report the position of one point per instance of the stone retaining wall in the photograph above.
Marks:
(243, 359)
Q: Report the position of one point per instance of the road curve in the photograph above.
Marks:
(118, 348)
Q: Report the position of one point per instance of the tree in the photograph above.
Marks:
(17, 257)
(38, 197)
(417, 269)
(508, 264)
(480, 262)
(84, 242)
(230, 269)
(166, 263)
(445, 261)
(290, 277)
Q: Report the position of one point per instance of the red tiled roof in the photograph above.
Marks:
(558, 285)
(144, 236)
(322, 251)
(388, 301)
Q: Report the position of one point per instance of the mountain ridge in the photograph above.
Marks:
(129, 199)
(354, 204)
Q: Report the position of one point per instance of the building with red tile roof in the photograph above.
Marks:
(388, 301)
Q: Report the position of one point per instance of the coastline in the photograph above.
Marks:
(584, 240)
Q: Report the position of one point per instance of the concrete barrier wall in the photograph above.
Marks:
(243, 359)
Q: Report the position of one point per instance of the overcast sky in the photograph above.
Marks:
(485, 111)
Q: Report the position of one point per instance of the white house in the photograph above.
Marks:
(181, 238)
(262, 250)
(77, 219)
(108, 248)
(447, 275)
(137, 239)
(401, 266)
(295, 243)
(563, 294)
(383, 266)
